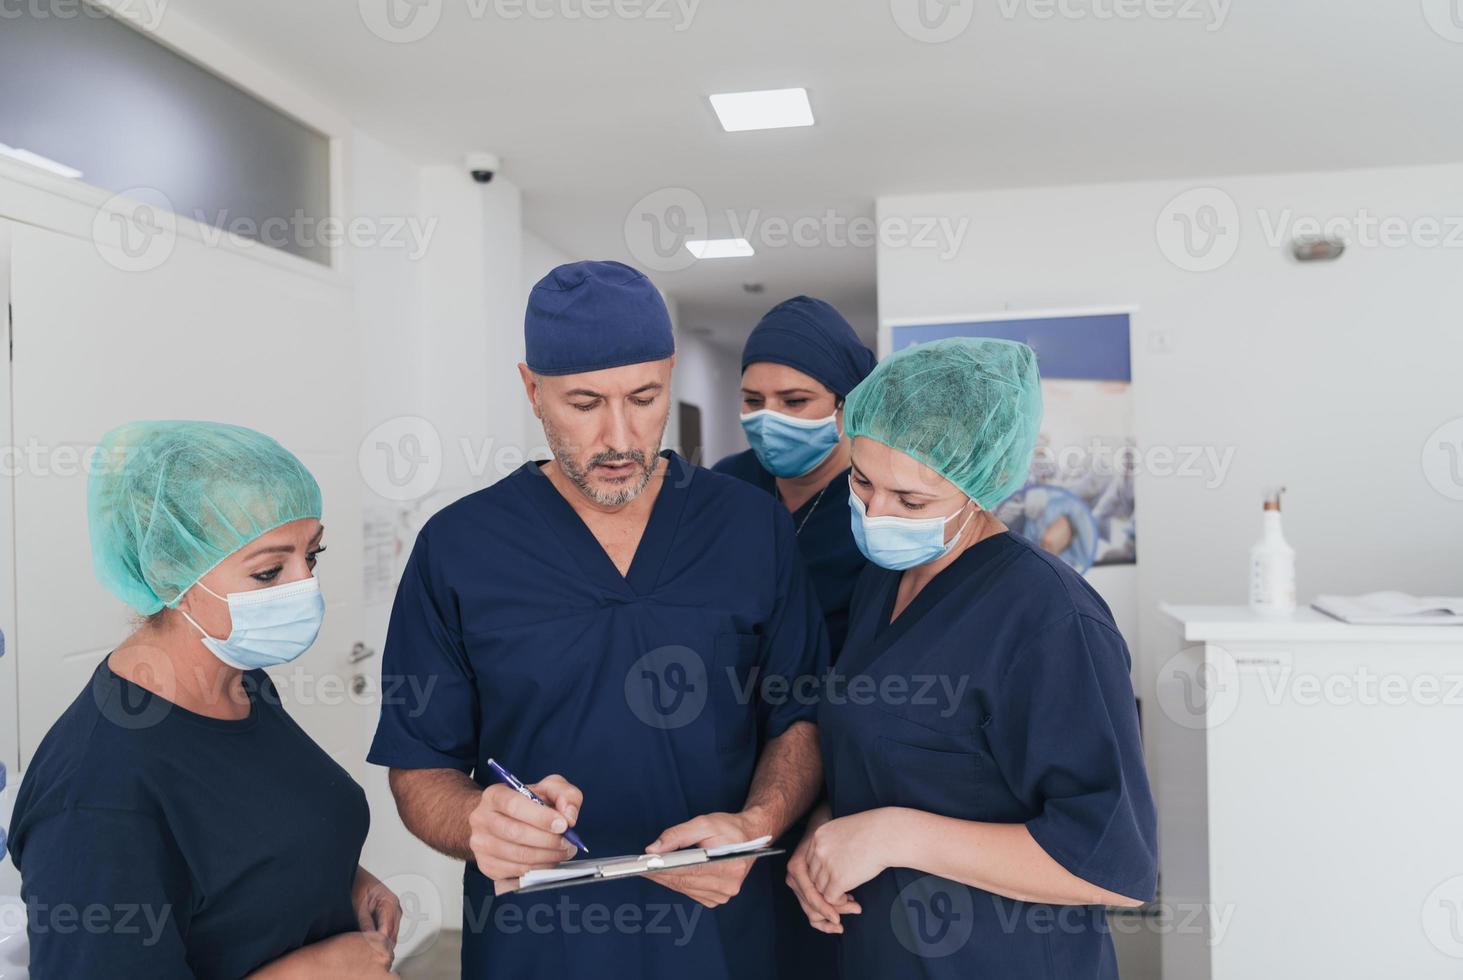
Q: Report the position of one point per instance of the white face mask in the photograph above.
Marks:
(270, 626)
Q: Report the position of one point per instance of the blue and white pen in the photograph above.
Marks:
(516, 784)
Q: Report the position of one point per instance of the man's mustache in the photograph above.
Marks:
(633, 456)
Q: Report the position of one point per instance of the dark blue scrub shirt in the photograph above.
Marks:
(653, 692)
(154, 842)
(1001, 694)
(834, 562)
(825, 541)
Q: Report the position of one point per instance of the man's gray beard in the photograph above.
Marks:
(579, 477)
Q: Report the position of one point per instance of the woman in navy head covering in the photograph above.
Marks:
(797, 366)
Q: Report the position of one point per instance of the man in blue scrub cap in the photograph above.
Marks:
(628, 633)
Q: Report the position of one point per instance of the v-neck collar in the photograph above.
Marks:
(802, 514)
(974, 558)
(588, 554)
(768, 482)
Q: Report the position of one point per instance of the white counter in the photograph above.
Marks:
(1222, 624)
(1309, 776)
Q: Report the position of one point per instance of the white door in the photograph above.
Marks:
(210, 332)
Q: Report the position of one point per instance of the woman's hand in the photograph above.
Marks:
(847, 852)
(377, 907)
(352, 954)
(348, 956)
(822, 915)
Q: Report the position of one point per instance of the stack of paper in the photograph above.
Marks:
(1392, 609)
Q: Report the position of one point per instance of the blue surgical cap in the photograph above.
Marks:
(811, 336)
(588, 316)
(170, 500)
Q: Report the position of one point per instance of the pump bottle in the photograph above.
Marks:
(1272, 565)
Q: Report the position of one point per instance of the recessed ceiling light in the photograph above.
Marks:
(780, 108)
(720, 248)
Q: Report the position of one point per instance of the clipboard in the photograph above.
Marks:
(587, 872)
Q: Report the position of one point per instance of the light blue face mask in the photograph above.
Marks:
(789, 446)
(271, 626)
(898, 543)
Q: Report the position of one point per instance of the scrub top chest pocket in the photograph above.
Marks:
(950, 773)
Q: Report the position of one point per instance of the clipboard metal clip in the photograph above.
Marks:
(650, 862)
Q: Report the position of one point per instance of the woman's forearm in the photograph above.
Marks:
(995, 857)
(291, 966)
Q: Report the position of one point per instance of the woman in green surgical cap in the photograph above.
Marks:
(175, 794)
(986, 791)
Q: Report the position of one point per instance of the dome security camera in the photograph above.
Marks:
(482, 166)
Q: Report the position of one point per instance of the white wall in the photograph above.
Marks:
(501, 277)
(708, 376)
(439, 330)
(540, 257)
(470, 286)
(389, 312)
(1327, 378)
(440, 334)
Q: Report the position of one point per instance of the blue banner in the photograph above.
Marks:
(1086, 348)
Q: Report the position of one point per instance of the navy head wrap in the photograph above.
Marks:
(588, 316)
(811, 336)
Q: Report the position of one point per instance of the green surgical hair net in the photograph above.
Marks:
(168, 501)
(969, 408)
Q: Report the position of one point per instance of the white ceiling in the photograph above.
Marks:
(590, 116)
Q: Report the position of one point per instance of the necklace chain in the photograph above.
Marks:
(809, 514)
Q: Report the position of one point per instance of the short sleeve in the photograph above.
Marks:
(1064, 731)
(107, 894)
(429, 705)
(794, 643)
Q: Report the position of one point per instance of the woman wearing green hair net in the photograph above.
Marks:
(987, 795)
(175, 794)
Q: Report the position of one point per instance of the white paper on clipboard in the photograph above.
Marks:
(630, 865)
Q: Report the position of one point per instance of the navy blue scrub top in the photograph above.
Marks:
(531, 648)
(155, 842)
(1000, 694)
(825, 541)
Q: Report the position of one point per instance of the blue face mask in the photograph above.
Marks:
(270, 626)
(898, 543)
(789, 446)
